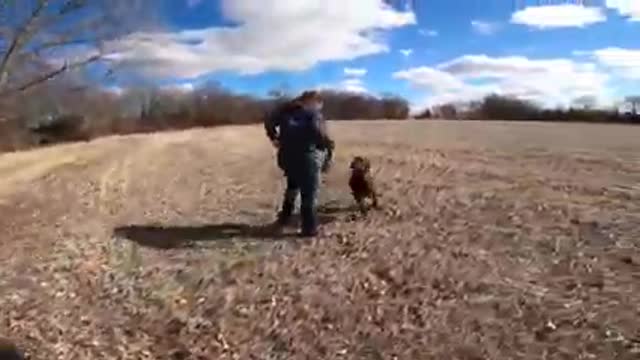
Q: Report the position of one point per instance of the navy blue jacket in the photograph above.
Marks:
(298, 130)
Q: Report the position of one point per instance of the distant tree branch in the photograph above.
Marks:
(42, 32)
(21, 36)
(49, 75)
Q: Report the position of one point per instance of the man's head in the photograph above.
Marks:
(310, 99)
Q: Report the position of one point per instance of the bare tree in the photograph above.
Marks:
(634, 102)
(585, 102)
(43, 39)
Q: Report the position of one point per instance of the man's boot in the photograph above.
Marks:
(309, 225)
(285, 214)
(308, 214)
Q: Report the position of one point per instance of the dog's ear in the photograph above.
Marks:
(355, 162)
(366, 164)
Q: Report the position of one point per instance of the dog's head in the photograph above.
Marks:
(360, 165)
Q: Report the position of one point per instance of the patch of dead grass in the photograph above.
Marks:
(496, 241)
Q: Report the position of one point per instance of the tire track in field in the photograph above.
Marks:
(18, 171)
(134, 179)
(113, 184)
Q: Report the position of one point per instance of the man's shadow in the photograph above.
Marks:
(171, 237)
(338, 210)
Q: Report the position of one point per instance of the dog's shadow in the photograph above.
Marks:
(172, 237)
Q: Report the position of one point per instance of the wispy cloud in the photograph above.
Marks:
(406, 52)
(426, 77)
(485, 27)
(185, 87)
(354, 85)
(625, 62)
(193, 3)
(428, 32)
(471, 77)
(356, 72)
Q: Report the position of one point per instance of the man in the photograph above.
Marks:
(9, 351)
(298, 131)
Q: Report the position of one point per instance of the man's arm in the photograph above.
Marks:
(323, 139)
(325, 142)
(271, 123)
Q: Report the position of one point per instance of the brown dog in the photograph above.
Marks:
(362, 184)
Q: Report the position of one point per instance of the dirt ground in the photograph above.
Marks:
(496, 241)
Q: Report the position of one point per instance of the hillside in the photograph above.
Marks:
(496, 241)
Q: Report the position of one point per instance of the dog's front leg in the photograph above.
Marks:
(374, 197)
(362, 205)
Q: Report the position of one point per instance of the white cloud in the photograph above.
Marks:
(624, 61)
(472, 77)
(485, 27)
(558, 16)
(428, 32)
(290, 36)
(429, 78)
(355, 72)
(629, 8)
(406, 52)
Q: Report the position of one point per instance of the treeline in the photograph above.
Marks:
(59, 114)
(354, 106)
(497, 107)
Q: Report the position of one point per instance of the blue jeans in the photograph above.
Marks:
(302, 173)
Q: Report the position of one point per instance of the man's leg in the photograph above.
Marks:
(310, 181)
(289, 201)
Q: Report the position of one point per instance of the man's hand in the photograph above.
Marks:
(328, 157)
(326, 166)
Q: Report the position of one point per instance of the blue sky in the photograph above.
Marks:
(429, 51)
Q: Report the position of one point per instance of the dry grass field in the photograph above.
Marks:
(495, 241)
